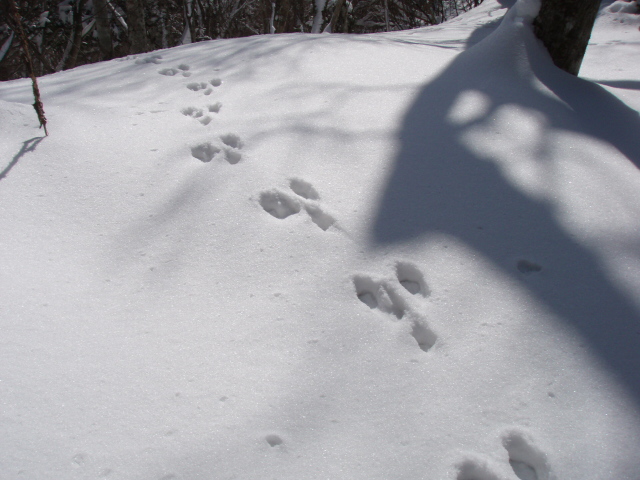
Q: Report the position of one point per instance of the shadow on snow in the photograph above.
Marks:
(27, 146)
(440, 186)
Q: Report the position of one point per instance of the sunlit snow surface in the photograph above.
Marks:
(411, 255)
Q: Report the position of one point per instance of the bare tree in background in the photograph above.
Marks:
(64, 33)
(71, 59)
(101, 14)
(136, 27)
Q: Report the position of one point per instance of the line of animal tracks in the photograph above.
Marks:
(401, 295)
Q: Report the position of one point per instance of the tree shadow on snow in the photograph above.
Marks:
(440, 186)
(27, 146)
(624, 84)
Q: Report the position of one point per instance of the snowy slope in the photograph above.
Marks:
(412, 255)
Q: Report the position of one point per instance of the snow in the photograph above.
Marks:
(403, 255)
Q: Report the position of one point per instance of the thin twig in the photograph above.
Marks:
(37, 104)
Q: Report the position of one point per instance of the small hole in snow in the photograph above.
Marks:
(527, 267)
(273, 440)
(304, 189)
(204, 152)
(278, 204)
(424, 337)
(231, 140)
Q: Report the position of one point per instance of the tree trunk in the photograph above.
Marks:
(72, 60)
(564, 26)
(188, 20)
(336, 14)
(137, 31)
(103, 28)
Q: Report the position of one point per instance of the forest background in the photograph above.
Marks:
(68, 33)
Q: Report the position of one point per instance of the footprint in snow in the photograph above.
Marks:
(282, 205)
(180, 69)
(232, 146)
(390, 296)
(527, 461)
(303, 189)
(206, 87)
(214, 107)
(274, 440)
(279, 204)
(229, 150)
(197, 86)
(527, 267)
(197, 114)
(205, 152)
(149, 59)
(311, 203)
(412, 279)
(473, 469)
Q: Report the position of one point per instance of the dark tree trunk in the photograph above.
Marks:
(336, 14)
(101, 13)
(564, 26)
(188, 19)
(137, 31)
(72, 60)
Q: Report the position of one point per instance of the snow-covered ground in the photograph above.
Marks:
(411, 255)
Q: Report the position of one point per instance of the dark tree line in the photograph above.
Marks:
(62, 34)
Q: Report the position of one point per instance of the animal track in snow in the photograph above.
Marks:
(232, 140)
(279, 204)
(320, 218)
(475, 470)
(192, 112)
(526, 460)
(205, 152)
(527, 268)
(378, 295)
(273, 440)
(198, 114)
(304, 189)
(149, 59)
(233, 145)
(307, 191)
(197, 86)
(215, 107)
(170, 72)
(423, 336)
(206, 87)
(309, 196)
(411, 279)
(384, 296)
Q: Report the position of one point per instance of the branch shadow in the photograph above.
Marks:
(440, 185)
(27, 146)
(625, 84)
